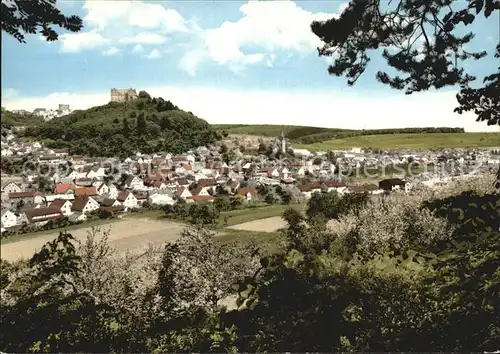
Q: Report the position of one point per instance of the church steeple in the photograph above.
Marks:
(283, 140)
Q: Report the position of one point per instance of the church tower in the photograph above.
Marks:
(283, 140)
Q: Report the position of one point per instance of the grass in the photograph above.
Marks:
(413, 141)
(240, 216)
(267, 241)
(152, 214)
(234, 217)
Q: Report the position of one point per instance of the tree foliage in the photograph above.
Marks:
(419, 39)
(37, 16)
(326, 204)
(10, 119)
(314, 293)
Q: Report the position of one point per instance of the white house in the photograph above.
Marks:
(270, 172)
(181, 170)
(55, 177)
(9, 219)
(284, 172)
(161, 199)
(96, 172)
(128, 200)
(134, 183)
(40, 216)
(301, 152)
(183, 193)
(63, 205)
(247, 193)
(191, 158)
(337, 186)
(52, 197)
(11, 188)
(72, 175)
(201, 191)
(84, 205)
(301, 172)
(101, 187)
(308, 190)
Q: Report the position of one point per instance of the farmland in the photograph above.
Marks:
(320, 139)
(410, 141)
(137, 231)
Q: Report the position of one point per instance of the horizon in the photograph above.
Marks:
(249, 62)
(428, 106)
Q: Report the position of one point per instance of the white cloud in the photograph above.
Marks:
(119, 23)
(191, 60)
(155, 54)
(244, 106)
(138, 49)
(111, 51)
(265, 28)
(104, 14)
(144, 38)
(75, 42)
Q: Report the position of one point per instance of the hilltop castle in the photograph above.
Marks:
(123, 95)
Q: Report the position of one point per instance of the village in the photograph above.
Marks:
(53, 185)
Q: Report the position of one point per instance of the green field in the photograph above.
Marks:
(316, 139)
(413, 141)
(291, 131)
(240, 216)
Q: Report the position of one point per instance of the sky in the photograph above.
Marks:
(227, 61)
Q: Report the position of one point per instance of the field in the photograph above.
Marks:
(235, 217)
(411, 141)
(125, 235)
(271, 224)
(137, 231)
(301, 136)
(272, 131)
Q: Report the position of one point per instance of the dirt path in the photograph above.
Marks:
(271, 224)
(128, 234)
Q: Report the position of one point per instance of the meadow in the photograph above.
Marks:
(409, 141)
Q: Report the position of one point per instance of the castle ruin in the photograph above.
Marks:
(123, 95)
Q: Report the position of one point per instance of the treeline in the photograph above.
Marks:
(300, 132)
(119, 129)
(10, 119)
(328, 135)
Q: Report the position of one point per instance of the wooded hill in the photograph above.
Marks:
(118, 129)
(10, 119)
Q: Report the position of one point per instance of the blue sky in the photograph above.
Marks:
(208, 55)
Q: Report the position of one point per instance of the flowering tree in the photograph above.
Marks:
(198, 271)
